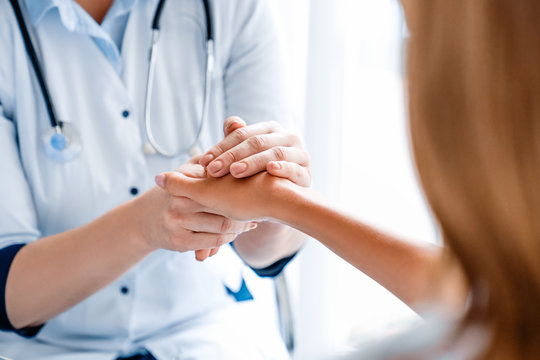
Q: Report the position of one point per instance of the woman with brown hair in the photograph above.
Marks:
(474, 93)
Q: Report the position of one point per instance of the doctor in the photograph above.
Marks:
(94, 259)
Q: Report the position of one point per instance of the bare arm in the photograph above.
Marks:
(406, 269)
(53, 274)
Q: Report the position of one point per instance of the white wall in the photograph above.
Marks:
(346, 88)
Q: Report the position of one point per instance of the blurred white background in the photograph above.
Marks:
(345, 64)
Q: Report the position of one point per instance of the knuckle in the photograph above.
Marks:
(280, 153)
(240, 134)
(180, 243)
(306, 156)
(169, 221)
(226, 225)
(220, 240)
(218, 149)
(299, 173)
(274, 125)
(256, 143)
(231, 156)
(296, 139)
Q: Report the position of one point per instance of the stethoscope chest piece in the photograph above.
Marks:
(62, 143)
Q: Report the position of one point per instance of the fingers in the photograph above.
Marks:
(257, 163)
(210, 223)
(236, 137)
(214, 251)
(296, 173)
(175, 183)
(208, 241)
(203, 254)
(192, 170)
(254, 145)
(232, 123)
(195, 159)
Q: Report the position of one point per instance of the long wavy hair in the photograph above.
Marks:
(474, 91)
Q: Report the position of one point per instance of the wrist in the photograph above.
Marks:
(285, 200)
(139, 213)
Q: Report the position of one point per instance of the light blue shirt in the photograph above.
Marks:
(107, 36)
(169, 303)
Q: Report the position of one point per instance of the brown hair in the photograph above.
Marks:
(474, 89)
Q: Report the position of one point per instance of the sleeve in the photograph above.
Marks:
(7, 255)
(254, 80)
(18, 220)
(275, 269)
(272, 270)
(18, 224)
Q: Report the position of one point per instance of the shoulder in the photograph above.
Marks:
(8, 26)
(7, 18)
(241, 25)
(238, 8)
(235, 15)
(436, 338)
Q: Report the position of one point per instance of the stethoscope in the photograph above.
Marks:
(62, 141)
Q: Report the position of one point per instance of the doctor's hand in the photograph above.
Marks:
(248, 150)
(181, 224)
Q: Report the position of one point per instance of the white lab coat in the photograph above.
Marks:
(176, 307)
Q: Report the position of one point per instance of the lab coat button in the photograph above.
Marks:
(124, 290)
(133, 191)
(125, 113)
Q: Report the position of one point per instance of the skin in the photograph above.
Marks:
(414, 273)
(60, 271)
(96, 8)
(256, 146)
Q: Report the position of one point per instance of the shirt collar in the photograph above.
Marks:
(67, 9)
(38, 8)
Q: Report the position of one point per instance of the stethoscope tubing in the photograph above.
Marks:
(36, 66)
(58, 125)
(149, 92)
(191, 149)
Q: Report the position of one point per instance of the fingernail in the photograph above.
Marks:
(275, 165)
(160, 180)
(205, 160)
(253, 226)
(215, 166)
(239, 168)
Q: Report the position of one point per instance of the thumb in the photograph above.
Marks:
(174, 182)
(232, 123)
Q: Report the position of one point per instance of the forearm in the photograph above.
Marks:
(404, 268)
(55, 273)
(268, 243)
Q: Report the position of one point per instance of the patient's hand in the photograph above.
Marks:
(244, 199)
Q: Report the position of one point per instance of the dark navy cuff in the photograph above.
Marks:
(7, 255)
(275, 269)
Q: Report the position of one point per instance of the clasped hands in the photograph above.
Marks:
(217, 196)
